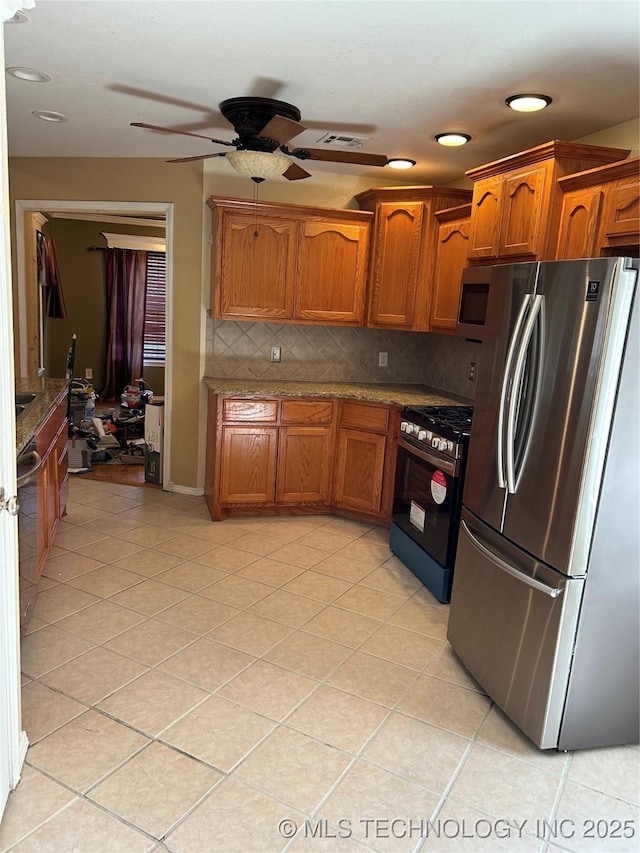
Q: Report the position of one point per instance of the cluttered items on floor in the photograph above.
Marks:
(107, 439)
(129, 434)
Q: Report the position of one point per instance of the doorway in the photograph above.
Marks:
(29, 332)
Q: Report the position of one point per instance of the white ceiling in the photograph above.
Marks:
(396, 72)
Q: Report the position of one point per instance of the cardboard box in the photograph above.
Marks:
(153, 432)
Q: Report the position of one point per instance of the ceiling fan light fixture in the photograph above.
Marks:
(401, 163)
(528, 103)
(452, 140)
(31, 75)
(260, 165)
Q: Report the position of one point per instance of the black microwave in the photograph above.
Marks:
(474, 300)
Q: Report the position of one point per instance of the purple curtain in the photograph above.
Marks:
(49, 278)
(126, 278)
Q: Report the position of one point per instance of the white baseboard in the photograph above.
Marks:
(23, 746)
(186, 490)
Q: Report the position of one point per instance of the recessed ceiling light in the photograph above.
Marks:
(32, 75)
(47, 115)
(452, 139)
(528, 103)
(401, 163)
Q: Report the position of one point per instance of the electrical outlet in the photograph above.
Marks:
(472, 370)
(383, 359)
(275, 354)
(88, 373)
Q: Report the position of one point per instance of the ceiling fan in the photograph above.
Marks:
(264, 126)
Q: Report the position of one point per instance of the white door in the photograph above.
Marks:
(9, 626)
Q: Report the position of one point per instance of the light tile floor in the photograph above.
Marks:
(267, 685)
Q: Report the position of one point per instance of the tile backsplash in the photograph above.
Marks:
(335, 354)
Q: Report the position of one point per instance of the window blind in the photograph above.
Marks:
(154, 321)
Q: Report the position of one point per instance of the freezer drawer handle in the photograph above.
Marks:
(532, 582)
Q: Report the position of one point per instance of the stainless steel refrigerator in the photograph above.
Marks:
(545, 606)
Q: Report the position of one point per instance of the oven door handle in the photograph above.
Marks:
(445, 465)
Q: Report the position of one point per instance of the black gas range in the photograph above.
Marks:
(442, 428)
(427, 500)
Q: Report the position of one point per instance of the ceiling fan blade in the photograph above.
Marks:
(198, 157)
(358, 157)
(296, 173)
(282, 129)
(182, 132)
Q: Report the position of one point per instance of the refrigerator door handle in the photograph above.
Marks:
(552, 592)
(526, 301)
(535, 315)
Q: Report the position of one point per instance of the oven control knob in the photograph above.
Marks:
(422, 435)
(403, 426)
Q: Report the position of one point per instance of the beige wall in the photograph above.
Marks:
(626, 135)
(144, 180)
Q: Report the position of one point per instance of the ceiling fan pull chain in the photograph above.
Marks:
(256, 182)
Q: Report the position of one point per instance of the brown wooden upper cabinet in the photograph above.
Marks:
(601, 212)
(289, 263)
(403, 252)
(451, 258)
(517, 201)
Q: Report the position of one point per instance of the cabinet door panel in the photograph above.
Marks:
(521, 224)
(577, 236)
(451, 259)
(359, 470)
(257, 267)
(332, 268)
(485, 218)
(622, 211)
(248, 466)
(62, 473)
(303, 464)
(395, 275)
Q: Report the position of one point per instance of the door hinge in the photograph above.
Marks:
(11, 505)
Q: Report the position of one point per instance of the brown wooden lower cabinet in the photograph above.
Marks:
(359, 470)
(53, 479)
(303, 464)
(248, 469)
(288, 455)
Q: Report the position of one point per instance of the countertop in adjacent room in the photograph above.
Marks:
(48, 393)
(399, 395)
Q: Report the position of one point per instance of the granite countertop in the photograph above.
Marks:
(48, 393)
(399, 395)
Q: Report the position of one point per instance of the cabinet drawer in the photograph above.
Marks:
(50, 429)
(250, 410)
(307, 411)
(365, 416)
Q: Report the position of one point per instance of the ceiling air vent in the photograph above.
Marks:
(336, 140)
